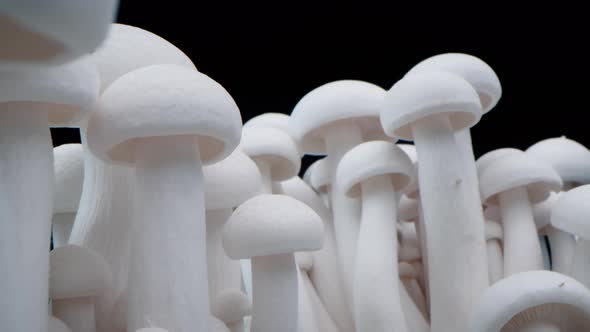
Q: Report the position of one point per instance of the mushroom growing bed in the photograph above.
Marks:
(173, 215)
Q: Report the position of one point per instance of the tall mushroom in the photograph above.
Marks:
(103, 222)
(54, 32)
(269, 229)
(532, 302)
(67, 185)
(515, 182)
(377, 305)
(571, 214)
(166, 121)
(332, 119)
(77, 276)
(30, 101)
(430, 108)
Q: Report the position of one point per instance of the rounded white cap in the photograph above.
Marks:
(569, 158)
(231, 305)
(56, 325)
(68, 161)
(273, 120)
(230, 182)
(523, 291)
(56, 31)
(65, 91)
(371, 159)
(571, 212)
(518, 170)
(490, 157)
(321, 177)
(542, 210)
(301, 191)
(163, 100)
(421, 95)
(408, 209)
(475, 71)
(271, 225)
(273, 147)
(77, 272)
(127, 48)
(346, 100)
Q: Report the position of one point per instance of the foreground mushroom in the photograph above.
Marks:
(429, 108)
(269, 229)
(182, 119)
(30, 101)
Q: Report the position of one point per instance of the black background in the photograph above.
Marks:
(268, 57)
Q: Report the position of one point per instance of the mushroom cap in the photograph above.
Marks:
(310, 169)
(230, 182)
(76, 272)
(127, 48)
(422, 95)
(67, 28)
(65, 91)
(271, 225)
(518, 170)
(542, 210)
(407, 234)
(339, 101)
(412, 190)
(519, 292)
(571, 212)
(493, 230)
(475, 71)
(301, 191)
(569, 158)
(321, 177)
(279, 121)
(384, 158)
(231, 305)
(273, 147)
(408, 209)
(163, 100)
(489, 158)
(409, 253)
(216, 325)
(68, 161)
(56, 325)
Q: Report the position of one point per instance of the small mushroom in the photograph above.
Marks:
(67, 185)
(166, 121)
(571, 214)
(429, 108)
(269, 229)
(32, 100)
(38, 32)
(376, 295)
(532, 301)
(332, 119)
(515, 181)
(77, 276)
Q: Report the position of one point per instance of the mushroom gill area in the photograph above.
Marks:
(554, 316)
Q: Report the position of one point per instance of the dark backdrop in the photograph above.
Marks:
(269, 57)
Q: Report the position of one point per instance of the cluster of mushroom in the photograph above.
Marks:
(172, 216)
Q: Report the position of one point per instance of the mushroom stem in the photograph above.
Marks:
(376, 294)
(453, 225)
(168, 265)
(413, 317)
(325, 322)
(495, 260)
(306, 315)
(62, 224)
(77, 314)
(275, 289)
(562, 246)
(539, 326)
(522, 250)
(345, 210)
(223, 272)
(266, 176)
(581, 262)
(26, 186)
(421, 235)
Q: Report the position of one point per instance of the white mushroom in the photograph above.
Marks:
(31, 100)
(67, 185)
(332, 119)
(231, 306)
(376, 294)
(515, 181)
(52, 32)
(430, 108)
(269, 229)
(166, 121)
(77, 276)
